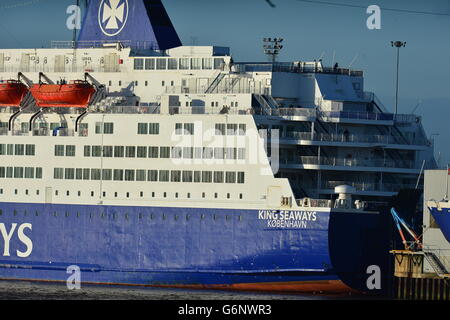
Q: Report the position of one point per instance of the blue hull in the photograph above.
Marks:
(216, 248)
(442, 218)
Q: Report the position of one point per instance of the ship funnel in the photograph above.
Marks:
(139, 24)
(344, 200)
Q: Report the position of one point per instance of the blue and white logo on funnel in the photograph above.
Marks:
(112, 16)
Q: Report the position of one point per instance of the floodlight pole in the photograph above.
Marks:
(398, 45)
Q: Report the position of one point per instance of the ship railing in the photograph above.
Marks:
(218, 90)
(144, 45)
(367, 186)
(154, 109)
(209, 110)
(354, 162)
(358, 115)
(352, 138)
(294, 67)
(36, 68)
(315, 203)
(292, 112)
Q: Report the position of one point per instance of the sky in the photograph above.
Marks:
(334, 30)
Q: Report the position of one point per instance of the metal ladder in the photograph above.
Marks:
(437, 265)
(215, 83)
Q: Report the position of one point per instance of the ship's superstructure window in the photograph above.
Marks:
(70, 151)
(184, 63)
(149, 64)
(219, 63)
(161, 64)
(142, 152)
(165, 152)
(164, 175)
(148, 128)
(87, 151)
(30, 150)
(196, 63)
(107, 151)
(58, 173)
(138, 64)
(119, 151)
(107, 174)
(96, 151)
(172, 64)
(106, 128)
(118, 175)
(152, 175)
(207, 63)
(142, 128)
(19, 149)
(130, 152)
(184, 128)
(153, 152)
(59, 150)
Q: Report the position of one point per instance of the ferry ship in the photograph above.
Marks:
(146, 162)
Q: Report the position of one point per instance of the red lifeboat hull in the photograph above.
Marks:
(77, 94)
(12, 93)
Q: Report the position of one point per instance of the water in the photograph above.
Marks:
(23, 290)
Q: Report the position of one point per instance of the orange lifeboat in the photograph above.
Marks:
(12, 93)
(76, 94)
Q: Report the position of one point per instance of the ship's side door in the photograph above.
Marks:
(48, 194)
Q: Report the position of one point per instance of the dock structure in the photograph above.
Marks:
(413, 282)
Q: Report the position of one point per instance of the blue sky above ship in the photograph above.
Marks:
(311, 30)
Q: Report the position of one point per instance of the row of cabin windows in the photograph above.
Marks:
(127, 194)
(141, 194)
(21, 172)
(230, 129)
(18, 149)
(126, 215)
(165, 152)
(148, 128)
(178, 63)
(149, 175)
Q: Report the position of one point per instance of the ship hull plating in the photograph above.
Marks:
(183, 247)
(442, 218)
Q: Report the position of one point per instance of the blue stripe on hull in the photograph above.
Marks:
(169, 246)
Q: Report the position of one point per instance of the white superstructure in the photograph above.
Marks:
(205, 111)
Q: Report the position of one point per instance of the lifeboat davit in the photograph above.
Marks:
(76, 94)
(12, 93)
